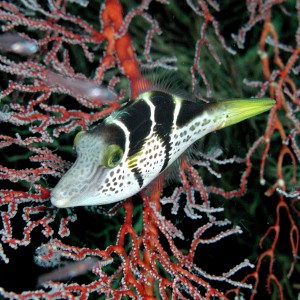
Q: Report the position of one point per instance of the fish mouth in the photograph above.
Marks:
(72, 191)
(59, 202)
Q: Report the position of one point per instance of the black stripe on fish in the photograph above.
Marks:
(189, 111)
(137, 119)
(112, 134)
(164, 115)
(137, 174)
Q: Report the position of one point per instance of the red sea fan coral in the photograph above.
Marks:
(175, 242)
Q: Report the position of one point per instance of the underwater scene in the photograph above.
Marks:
(149, 149)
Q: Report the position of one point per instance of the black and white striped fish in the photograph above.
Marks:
(137, 142)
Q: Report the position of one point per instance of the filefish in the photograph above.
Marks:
(139, 141)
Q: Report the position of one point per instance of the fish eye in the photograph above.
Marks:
(77, 137)
(112, 156)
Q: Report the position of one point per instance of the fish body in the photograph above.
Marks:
(12, 42)
(80, 87)
(139, 141)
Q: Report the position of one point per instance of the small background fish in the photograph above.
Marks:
(12, 42)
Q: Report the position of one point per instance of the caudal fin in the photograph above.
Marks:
(237, 110)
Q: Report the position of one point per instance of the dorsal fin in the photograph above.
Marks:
(163, 81)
